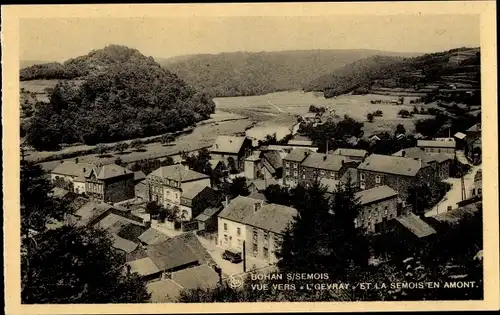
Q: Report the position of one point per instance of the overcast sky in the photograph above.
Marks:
(60, 39)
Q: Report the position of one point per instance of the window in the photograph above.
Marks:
(225, 226)
(239, 242)
(362, 176)
(266, 252)
(479, 191)
(377, 179)
(295, 173)
(303, 176)
(386, 211)
(362, 185)
(225, 238)
(255, 249)
(295, 166)
(288, 173)
(238, 231)
(332, 175)
(322, 172)
(287, 164)
(255, 236)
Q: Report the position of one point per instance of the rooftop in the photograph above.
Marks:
(436, 144)
(262, 184)
(107, 171)
(457, 215)
(270, 217)
(253, 158)
(164, 291)
(70, 168)
(152, 237)
(476, 127)
(171, 254)
(416, 225)
(274, 158)
(207, 214)
(375, 194)
(139, 175)
(177, 173)
(426, 158)
(350, 152)
(194, 191)
(304, 143)
(460, 135)
(91, 210)
(297, 155)
(143, 267)
(203, 277)
(391, 165)
(323, 161)
(228, 144)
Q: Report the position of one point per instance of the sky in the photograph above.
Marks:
(58, 39)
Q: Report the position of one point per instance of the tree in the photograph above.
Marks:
(400, 129)
(231, 164)
(167, 138)
(369, 117)
(277, 194)
(404, 113)
(121, 147)
(153, 209)
(378, 113)
(102, 149)
(458, 169)
(37, 208)
(199, 162)
(118, 161)
(147, 166)
(77, 265)
(137, 144)
(238, 187)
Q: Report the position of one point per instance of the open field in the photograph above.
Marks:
(282, 108)
(201, 136)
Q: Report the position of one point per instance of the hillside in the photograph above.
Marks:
(120, 94)
(454, 69)
(244, 73)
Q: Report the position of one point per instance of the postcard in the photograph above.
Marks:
(255, 157)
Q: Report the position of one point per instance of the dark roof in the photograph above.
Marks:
(391, 165)
(323, 161)
(91, 210)
(177, 172)
(436, 144)
(297, 155)
(427, 158)
(350, 152)
(208, 213)
(274, 158)
(375, 194)
(456, 215)
(194, 191)
(131, 232)
(59, 193)
(228, 144)
(415, 225)
(270, 217)
(73, 169)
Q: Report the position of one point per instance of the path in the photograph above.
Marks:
(455, 194)
(279, 109)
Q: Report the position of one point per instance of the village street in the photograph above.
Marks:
(455, 194)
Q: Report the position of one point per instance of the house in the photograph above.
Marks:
(454, 216)
(207, 220)
(378, 205)
(399, 173)
(196, 199)
(477, 187)
(413, 226)
(108, 182)
(291, 166)
(259, 185)
(353, 154)
(252, 166)
(349, 176)
(437, 146)
(460, 140)
(124, 232)
(230, 148)
(167, 184)
(271, 164)
(320, 165)
(256, 223)
(440, 162)
(474, 131)
(300, 143)
(152, 237)
(473, 149)
(159, 259)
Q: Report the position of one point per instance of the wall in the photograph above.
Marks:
(79, 187)
(439, 150)
(119, 188)
(265, 241)
(234, 241)
(372, 214)
(291, 173)
(309, 174)
(171, 196)
(397, 182)
(250, 168)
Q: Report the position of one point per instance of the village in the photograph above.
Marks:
(179, 229)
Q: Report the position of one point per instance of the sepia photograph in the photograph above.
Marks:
(251, 157)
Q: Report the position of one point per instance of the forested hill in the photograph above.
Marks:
(119, 94)
(244, 73)
(459, 66)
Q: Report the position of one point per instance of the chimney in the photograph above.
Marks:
(76, 160)
(226, 201)
(324, 158)
(216, 146)
(84, 169)
(403, 153)
(256, 206)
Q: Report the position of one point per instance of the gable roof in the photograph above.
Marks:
(476, 127)
(305, 143)
(454, 216)
(375, 194)
(325, 161)
(270, 217)
(274, 159)
(170, 254)
(123, 244)
(436, 144)
(260, 184)
(426, 158)
(350, 152)
(152, 236)
(207, 214)
(391, 165)
(297, 155)
(203, 277)
(176, 173)
(139, 175)
(228, 144)
(144, 266)
(107, 171)
(194, 191)
(70, 168)
(90, 211)
(416, 225)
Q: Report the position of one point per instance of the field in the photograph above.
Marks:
(283, 108)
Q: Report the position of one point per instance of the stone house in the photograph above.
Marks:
(439, 162)
(318, 166)
(378, 205)
(226, 148)
(438, 146)
(291, 166)
(257, 224)
(353, 154)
